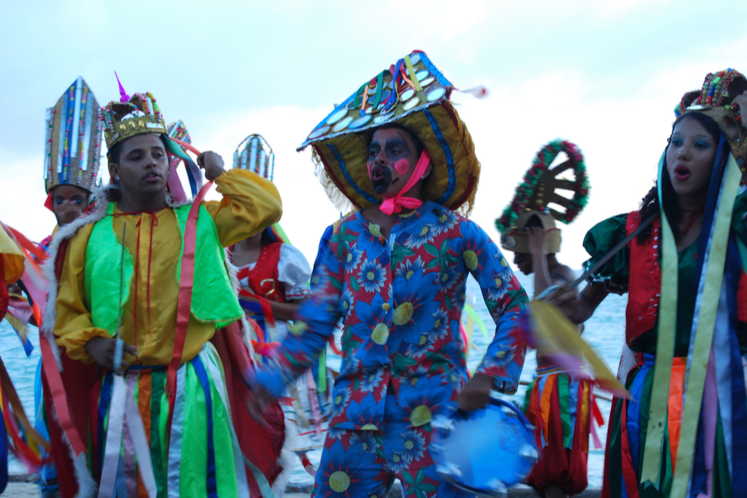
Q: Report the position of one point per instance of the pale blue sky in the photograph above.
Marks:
(603, 74)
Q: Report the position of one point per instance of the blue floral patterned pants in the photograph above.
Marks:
(365, 463)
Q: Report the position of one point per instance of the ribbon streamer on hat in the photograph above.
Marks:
(193, 171)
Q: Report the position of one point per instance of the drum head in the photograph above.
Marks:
(484, 451)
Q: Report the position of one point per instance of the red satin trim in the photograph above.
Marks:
(13, 414)
(596, 411)
(333, 345)
(185, 296)
(48, 202)
(628, 472)
(4, 295)
(57, 391)
(644, 282)
(264, 303)
(187, 146)
(263, 278)
(536, 410)
(93, 426)
(54, 378)
(19, 447)
(27, 245)
(260, 346)
(742, 297)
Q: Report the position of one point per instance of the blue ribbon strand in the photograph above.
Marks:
(738, 396)
(447, 153)
(212, 486)
(349, 178)
(634, 410)
(104, 399)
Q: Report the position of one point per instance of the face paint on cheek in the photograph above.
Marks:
(402, 166)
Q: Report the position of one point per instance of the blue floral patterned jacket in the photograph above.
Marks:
(401, 300)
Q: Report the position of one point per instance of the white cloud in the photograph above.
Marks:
(22, 197)
(605, 75)
(306, 209)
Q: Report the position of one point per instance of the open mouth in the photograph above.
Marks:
(152, 177)
(681, 173)
(381, 178)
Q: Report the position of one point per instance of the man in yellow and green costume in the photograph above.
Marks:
(165, 294)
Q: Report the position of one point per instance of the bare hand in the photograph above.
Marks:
(536, 236)
(476, 393)
(101, 350)
(212, 163)
(561, 296)
(741, 101)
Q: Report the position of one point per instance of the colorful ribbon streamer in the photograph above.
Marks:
(664, 350)
(185, 296)
(558, 339)
(709, 292)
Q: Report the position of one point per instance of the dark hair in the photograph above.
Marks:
(650, 202)
(114, 193)
(534, 221)
(267, 237)
(116, 151)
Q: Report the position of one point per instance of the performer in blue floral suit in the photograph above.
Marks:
(396, 272)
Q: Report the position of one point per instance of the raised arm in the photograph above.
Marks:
(543, 277)
(250, 203)
(610, 277)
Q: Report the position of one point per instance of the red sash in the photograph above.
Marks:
(263, 278)
(644, 281)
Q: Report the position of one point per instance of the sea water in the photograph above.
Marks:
(604, 331)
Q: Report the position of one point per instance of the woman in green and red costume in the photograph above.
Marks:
(141, 316)
(683, 431)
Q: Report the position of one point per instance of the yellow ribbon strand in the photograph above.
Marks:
(554, 333)
(413, 76)
(704, 333)
(13, 256)
(650, 470)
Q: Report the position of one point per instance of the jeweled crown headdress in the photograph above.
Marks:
(73, 139)
(179, 131)
(131, 116)
(255, 154)
(715, 100)
(539, 190)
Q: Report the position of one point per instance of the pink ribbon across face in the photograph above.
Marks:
(395, 204)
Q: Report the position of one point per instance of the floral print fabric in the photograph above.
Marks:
(365, 463)
(401, 300)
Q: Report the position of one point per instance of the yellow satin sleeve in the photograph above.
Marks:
(250, 203)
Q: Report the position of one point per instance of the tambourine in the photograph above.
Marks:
(484, 451)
